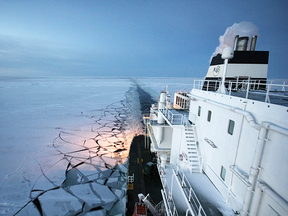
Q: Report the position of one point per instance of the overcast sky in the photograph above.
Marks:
(140, 38)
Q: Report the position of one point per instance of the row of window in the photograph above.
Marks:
(230, 125)
(184, 103)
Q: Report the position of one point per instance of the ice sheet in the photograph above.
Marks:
(61, 134)
(174, 84)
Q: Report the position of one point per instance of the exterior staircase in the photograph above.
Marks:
(193, 154)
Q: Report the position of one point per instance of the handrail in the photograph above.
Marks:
(250, 87)
(255, 84)
(172, 117)
(197, 148)
(171, 204)
(244, 177)
(189, 192)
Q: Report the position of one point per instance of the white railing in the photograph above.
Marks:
(199, 155)
(244, 177)
(170, 207)
(265, 91)
(198, 149)
(171, 204)
(176, 119)
(173, 118)
(189, 192)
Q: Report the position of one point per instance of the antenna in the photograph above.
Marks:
(228, 53)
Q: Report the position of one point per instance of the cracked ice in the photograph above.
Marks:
(64, 143)
(83, 171)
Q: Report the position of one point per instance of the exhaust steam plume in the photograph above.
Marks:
(242, 29)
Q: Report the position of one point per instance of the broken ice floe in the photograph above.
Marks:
(85, 171)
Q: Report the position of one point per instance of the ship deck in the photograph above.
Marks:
(211, 200)
(138, 157)
(274, 92)
(144, 184)
(276, 97)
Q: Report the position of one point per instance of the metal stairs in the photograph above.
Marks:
(193, 154)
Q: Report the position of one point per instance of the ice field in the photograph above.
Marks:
(65, 141)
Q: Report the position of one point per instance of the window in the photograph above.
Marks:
(231, 127)
(199, 110)
(223, 173)
(209, 116)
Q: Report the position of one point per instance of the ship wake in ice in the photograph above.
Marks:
(83, 170)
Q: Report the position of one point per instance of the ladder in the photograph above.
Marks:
(193, 154)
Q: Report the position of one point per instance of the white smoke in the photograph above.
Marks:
(242, 29)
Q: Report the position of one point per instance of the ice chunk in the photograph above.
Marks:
(112, 182)
(122, 168)
(87, 169)
(104, 192)
(86, 193)
(119, 207)
(119, 193)
(101, 181)
(92, 177)
(90, 143)
(30, 209)
(116, 173)
(73, 177)
(93, 194)
(105, 173)
(101, 212)
(59, 202)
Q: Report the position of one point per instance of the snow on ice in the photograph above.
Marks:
(65, 141)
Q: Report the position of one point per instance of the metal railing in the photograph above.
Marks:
(199, 155)
(171, 204)
(264, 91)
(198, 149)
(174, 118)
(244, 177)
(189, 192)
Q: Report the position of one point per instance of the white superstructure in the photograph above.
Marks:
(227, 152)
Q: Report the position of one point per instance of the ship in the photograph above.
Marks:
(222, 148)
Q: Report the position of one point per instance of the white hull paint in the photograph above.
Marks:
(238, 143)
